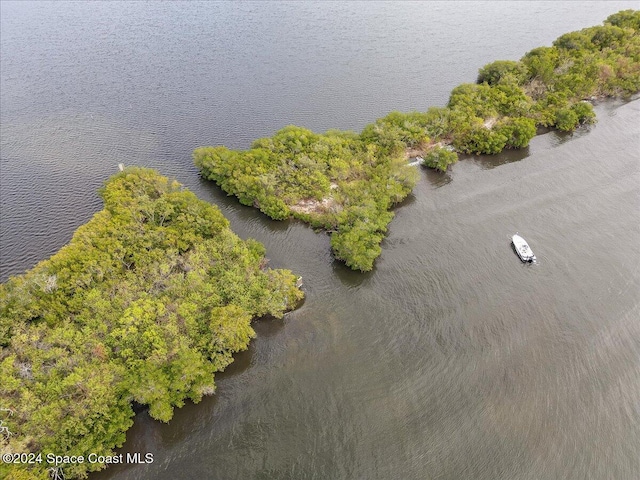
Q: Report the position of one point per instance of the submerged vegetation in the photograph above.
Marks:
(148, 300)
(346, 183)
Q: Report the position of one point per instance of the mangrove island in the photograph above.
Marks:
(347, 183)
(146, 303)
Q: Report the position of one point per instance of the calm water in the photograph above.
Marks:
(451, 360)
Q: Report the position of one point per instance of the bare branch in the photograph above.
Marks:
(56, 473)
(4, 431)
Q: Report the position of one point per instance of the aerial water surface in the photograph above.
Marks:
(451, 359)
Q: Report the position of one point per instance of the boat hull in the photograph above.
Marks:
(522, 249)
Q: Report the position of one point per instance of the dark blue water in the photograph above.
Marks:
(450, 360)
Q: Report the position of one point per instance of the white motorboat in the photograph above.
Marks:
(522, 249)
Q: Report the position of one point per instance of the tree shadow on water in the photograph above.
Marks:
(558, 138)
(408, 200)
(189, 418)
(150, 435)
(487, 162)
(437, 178)
(351, 278)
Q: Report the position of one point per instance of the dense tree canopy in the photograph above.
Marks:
(148, 300)
(548, 87)
(346, 183)
(335, 181)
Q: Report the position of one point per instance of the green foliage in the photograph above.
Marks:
(438, 122)
(274, 207)
(323, 179)
(625, 19)
(481, 140)
(585, 113)
(518, 130)
(476, 100)
(541, 63)
(440, 158)
(147, 301)
(155, 293)
(597, 61)
(607, 36)
(566, 119)
(578, 41)
(360, 231)
(506, 71)
(404, 129)
(549, 84)
(358, 246)
(493, 135)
